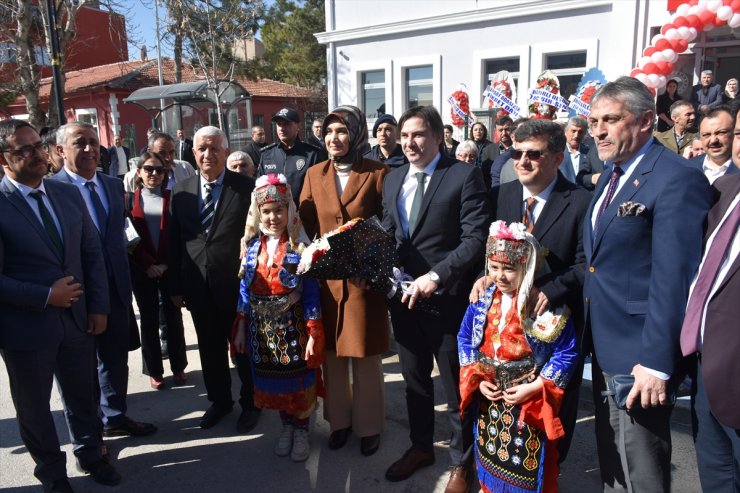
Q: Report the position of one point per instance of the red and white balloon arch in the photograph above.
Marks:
(689, 20)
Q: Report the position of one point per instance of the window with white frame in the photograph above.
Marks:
(569, 67)
(373, 93)
(41, 55)
(492, 67)
(88, 115)
(419, 86)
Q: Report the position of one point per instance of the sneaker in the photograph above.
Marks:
(301, 446)
(285, 440)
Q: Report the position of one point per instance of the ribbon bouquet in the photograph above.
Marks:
(360, 248)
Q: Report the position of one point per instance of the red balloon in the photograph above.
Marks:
(650, 68)
(664, 68)
(680, 22)
(665, 28)
(681, 46)
(707, 17)
(719, 22)
(695, 22)
(635, 71)
(663, 44)
(726, 2)
(735, 6)
(649, 51)
(693, 2)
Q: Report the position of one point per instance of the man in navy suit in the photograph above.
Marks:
(642, 238)
(119, 156)
(78, 144)
(49, 250)
(184, 151)
(576, 152)
(716, 136)
(437, 211)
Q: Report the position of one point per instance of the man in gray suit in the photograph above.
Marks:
(49, 250)
(78, 144)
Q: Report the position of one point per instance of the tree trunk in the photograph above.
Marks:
(28, 76)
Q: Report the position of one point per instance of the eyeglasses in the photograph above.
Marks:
(517, 154)
(27, 151)
(153, 170)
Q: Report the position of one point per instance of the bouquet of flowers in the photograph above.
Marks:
(547, 81)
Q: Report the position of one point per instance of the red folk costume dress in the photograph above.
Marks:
(515, 444)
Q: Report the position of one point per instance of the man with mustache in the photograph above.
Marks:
(680, 136)
(716, 137)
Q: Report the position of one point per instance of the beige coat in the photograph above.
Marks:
(355, 319)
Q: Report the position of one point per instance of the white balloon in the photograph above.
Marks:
(658, 56)
(683, 32)
(662, 81)
(670, 55)
(714, 5)
(693, 33)
(672, 34)
(653, 80)
(708, 27)
(643, 61)
(642, 78)
(683, 9)
(724, 13)
(695, 9)
(734, 21)
(656, 38)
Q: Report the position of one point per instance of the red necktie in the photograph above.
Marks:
(704, 281)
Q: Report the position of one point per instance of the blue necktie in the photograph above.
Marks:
(100, 213)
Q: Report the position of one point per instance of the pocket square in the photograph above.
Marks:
(630, 209)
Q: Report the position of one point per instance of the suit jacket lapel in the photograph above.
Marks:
(16, 198)
(227, 195)
(354, 184)
(329, 184)
(395, 191)
(442, 166)
(566, 167)
(553, 209)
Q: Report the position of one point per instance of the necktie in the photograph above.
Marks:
(617, 172)
(49, 226)
(206, 215)
(704, 281)
(100, 213)
(416, 204)
(528, 218)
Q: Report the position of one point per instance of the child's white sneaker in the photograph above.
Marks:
(285, 441)
(301, 446)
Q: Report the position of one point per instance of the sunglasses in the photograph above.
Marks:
(153, 170)
(517, 154)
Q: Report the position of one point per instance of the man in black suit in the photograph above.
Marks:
(504, 128)
(590, 170)
(119, 156)
(49, 248)
(185, 148)
(437, 211)
(79, 146)
(207, 218)
(557, 212)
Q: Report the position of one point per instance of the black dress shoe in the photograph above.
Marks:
(247, 420)
(101, 471)
(213, 415)
(338, 438)
(407, 465)
(58, 486)
(369, 445)
(129, 428)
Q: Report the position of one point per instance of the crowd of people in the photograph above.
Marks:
(522, 257)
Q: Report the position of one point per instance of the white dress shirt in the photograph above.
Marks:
(26, 191)
(408, 189)
(575, 160)
(712, 171)
(86, 194)
(540, 199)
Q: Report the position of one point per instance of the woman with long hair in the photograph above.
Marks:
(148, 210)
(663, 105)
(355, 319)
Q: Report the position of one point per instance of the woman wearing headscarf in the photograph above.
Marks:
(344, 187)
(730, 93)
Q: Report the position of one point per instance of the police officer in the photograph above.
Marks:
(289, 155)
(387, 150)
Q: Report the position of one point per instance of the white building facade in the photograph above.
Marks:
(385, 56)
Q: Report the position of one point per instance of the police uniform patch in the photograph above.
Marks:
(270, 167)
(300, 164)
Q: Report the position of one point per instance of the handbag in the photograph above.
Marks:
(132, 236)
(619, 387)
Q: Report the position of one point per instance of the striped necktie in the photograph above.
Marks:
(209, 207)
(528, 219)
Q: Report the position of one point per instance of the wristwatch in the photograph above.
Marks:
(433, 276)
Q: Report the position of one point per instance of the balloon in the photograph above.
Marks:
(682, 45)
(664, 68)
(708, 27)
(683, 9)
(644, 61)
(734, 21)
(683, 32)
(658, 56)
(693, 3)
(650, 68)
(693, 21)
(694, 9)
(735, 6)
(724, 13)
(653, 80)
(714, 5)
(656, 38)
(670, 56)
(649, 51)
(635, 71)
(666, 27)
(662, 44)
(706, 17)
(680, 22)
(642, 78)
(662, 81)
(693, 33)
(672, 33)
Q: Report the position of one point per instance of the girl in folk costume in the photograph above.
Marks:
(514, 369)
(279, 316)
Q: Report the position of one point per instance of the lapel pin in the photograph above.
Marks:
(636, 182)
